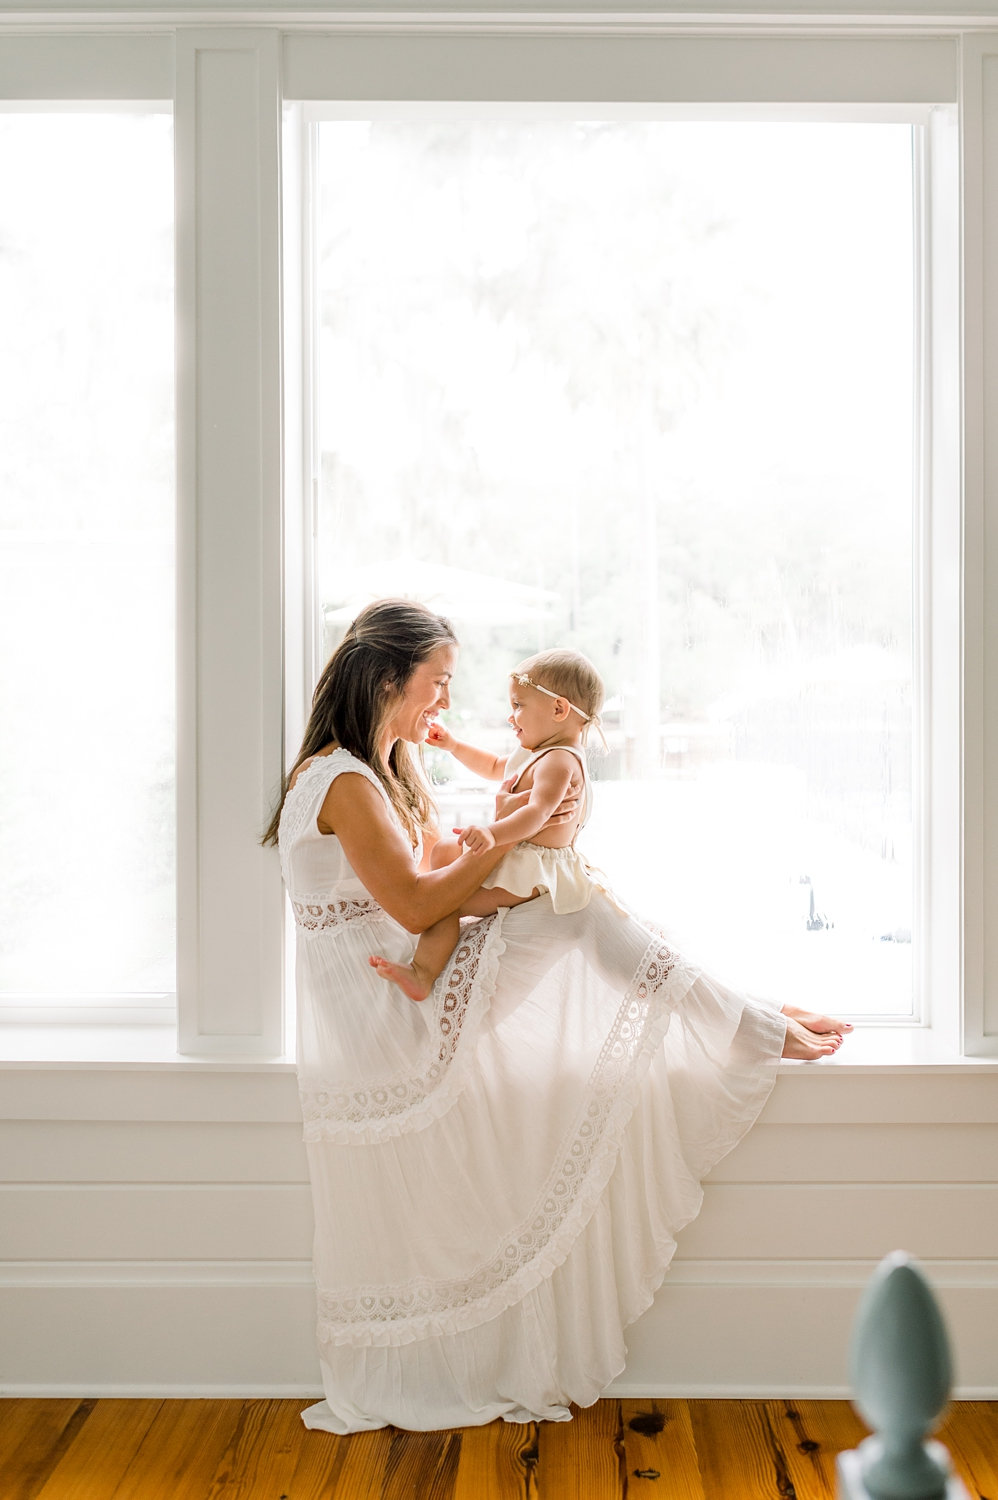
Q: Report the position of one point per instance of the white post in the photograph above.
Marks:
(230, 928)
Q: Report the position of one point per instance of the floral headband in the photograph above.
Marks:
(594, 719)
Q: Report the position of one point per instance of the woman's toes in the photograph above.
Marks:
(804, 1045)
(817, 1023)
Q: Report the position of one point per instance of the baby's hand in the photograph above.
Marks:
(439, 737)
(476, 840)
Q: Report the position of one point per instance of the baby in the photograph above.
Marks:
(554, 698)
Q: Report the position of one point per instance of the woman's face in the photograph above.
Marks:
(424, 695)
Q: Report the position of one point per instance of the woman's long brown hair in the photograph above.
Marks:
(359, 691)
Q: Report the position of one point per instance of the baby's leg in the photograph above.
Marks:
(444, 852)
(437, 943)
(434, 948)
(487, 900)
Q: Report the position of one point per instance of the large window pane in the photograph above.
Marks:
(87, 852)
(645, 388)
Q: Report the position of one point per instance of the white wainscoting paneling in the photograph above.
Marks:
(170, 1254)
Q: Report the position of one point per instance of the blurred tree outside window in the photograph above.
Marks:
(645, 388)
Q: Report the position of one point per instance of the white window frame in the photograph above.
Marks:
(235, 560)
(935, 550)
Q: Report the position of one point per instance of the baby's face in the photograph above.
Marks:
(532, 715)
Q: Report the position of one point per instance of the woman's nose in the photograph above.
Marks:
(443, 697)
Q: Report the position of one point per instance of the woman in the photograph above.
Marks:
(499, 1172)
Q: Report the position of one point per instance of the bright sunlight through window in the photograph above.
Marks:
(87, 844)
(646, 389)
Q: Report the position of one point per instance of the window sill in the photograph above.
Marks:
(896, 1049)
(870, 1049)
(119, 1047)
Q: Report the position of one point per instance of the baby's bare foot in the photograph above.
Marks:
(404, 975)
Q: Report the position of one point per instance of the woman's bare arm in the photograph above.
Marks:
(382, 859)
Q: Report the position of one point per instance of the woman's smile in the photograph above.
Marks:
(425, 694)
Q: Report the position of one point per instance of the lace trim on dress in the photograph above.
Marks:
(538, 1245)
(318, 915)
(389, 1106)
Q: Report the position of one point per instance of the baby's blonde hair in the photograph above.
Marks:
(569, 674)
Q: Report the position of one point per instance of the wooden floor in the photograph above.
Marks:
(641, 1450)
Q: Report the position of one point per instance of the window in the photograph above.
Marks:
(647, 388)
(235, 578)
(87, 842)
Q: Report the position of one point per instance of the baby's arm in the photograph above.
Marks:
(552, 778)
(482, 762)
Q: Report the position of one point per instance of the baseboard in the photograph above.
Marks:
(620, 1389)
(964, 1274)
(193, 1392)
(731, 1330)
(628, 1391)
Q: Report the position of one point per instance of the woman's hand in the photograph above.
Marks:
(510, 802)
(475, 839)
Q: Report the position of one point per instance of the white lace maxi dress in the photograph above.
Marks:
(499, 1173)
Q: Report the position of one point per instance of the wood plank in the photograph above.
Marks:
(582, 1459)
(365, 1458)
(659, 1450)
(340, 1468)
(970, 1432)
(259, 1450)
(95, 1464)
(180, 1452)
(423, 1464)
(35, 1435)
(810, 1434)
(19, 1417)
(740, 1456)
(262, 1455)
(498, 1462)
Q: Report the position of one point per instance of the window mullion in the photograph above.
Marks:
(979, 331)
(229, 420)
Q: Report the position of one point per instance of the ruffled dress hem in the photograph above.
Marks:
(499, 1173)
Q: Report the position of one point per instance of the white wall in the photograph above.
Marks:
(154, 1219)
(156, 1234)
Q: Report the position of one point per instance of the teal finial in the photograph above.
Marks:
(901, 1374)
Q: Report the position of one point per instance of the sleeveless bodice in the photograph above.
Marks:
(315, 868)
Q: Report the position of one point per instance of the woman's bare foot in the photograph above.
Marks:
(408, 978)
(810, 1036)
(815, 1022)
